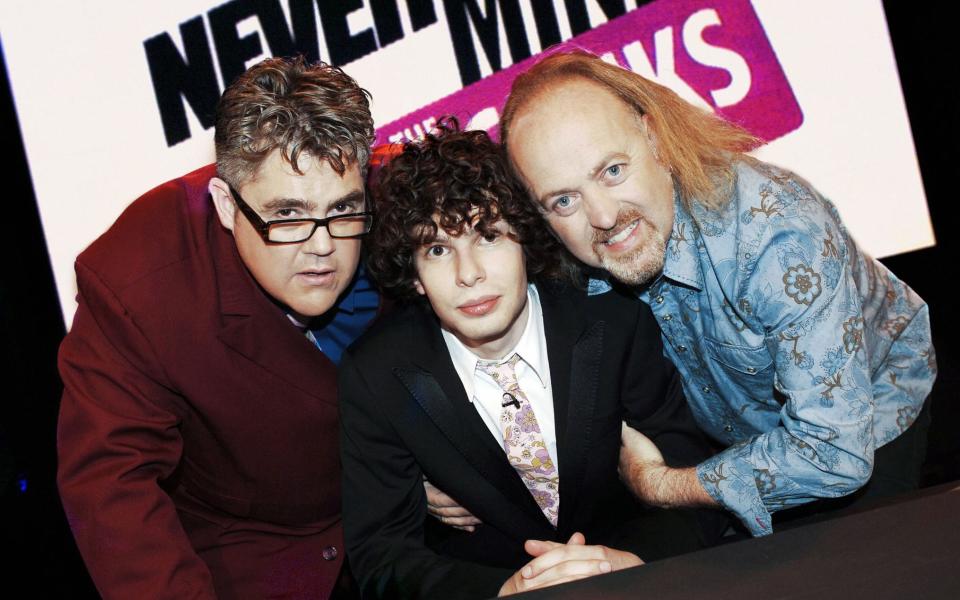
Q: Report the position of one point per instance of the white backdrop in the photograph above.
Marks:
(95, 139)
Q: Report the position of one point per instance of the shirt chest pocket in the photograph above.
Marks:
(743, 371)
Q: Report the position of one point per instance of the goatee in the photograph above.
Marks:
(641, 263)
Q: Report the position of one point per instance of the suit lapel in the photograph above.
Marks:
(575, 348)
(437, 388)
(255, 327)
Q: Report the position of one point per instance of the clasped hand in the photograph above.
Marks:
(556, 563)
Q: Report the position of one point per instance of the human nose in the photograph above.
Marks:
(469, 269)
(601, 210)
(320, 243)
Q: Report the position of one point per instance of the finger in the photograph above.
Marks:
(462, 521)
(440, 500)
(537, 547)
(569, 570)
(577, 539)
(467, 528)
(562, 553)
(451, 511)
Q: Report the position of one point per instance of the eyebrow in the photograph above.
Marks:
(597, 168)
(288, 203)
(441, 237)
(354, 197)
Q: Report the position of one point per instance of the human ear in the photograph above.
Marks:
(419, 287)
(651, 136)
(223, 202)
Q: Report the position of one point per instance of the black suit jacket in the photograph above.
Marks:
(405, 415)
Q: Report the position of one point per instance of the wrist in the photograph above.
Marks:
(656, 484)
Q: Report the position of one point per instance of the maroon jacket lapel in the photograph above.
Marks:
(256, 327)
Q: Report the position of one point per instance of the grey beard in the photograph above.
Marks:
(642, 264)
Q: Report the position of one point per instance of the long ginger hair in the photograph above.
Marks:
(698, 147)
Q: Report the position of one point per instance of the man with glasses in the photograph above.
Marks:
(198, 428)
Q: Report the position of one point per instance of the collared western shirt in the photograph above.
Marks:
(533, 376)
(797, 350)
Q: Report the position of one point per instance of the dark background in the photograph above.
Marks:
(42, 560)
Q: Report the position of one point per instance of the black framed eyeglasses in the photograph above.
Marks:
(291, 231)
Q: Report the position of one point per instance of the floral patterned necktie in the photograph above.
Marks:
(522, 440)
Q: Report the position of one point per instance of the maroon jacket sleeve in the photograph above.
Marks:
(118, 440)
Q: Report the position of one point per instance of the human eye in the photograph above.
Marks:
(342, 207)
(491, 236)
(287, 213)
(564, 205)
(435, 251)
(613, 171)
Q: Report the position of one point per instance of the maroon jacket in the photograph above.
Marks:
(198, 431)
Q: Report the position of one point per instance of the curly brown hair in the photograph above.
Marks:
(294, 106)
(457, 178)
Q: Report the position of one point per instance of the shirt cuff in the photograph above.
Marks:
(730, 480)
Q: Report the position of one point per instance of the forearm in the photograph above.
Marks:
(667, 487)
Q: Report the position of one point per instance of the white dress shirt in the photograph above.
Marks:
(533, 376)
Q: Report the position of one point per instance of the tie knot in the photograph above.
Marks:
(504, 372)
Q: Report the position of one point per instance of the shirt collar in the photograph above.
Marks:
(532, 348)
(360, 295)
(682, 262)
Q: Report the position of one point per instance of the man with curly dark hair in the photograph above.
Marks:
(501, 383)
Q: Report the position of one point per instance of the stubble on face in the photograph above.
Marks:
(639, 264)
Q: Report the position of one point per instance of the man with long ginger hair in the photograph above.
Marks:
(808, 359)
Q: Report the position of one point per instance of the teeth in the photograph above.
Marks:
(622, 235)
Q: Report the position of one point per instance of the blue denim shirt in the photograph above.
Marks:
(797, 350)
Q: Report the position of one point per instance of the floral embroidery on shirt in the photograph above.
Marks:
(853, 334)
(766, 481)
(833, 360)
(795, 378)
(802, 284)
(906, 416)
(735, 319)
(894, 327)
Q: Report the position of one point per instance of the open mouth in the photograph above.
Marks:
(623, 234)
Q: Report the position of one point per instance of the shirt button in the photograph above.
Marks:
(706, 389)
(659, 299)
(681, 348)
(728, 428)
(330, 553)
(751, 370)
(668, 317)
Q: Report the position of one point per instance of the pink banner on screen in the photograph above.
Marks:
(715, 54)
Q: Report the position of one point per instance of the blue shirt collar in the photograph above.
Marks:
(360, 294)
(682, 262)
